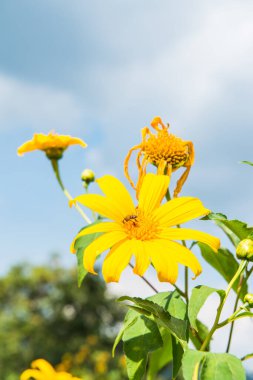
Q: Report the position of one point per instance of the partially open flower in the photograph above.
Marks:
(42, 370)
(164, 150)
(52, 144)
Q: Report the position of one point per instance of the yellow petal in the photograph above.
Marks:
(189, 234)
(29, 146)
(183, 255)
(117, 260)
(32, 374)
(179, 210)
(152, 191)
(100, 245)
(99, 227)
(43, 366)
(118, 194)
(100, 204)
(142, 259)
(165, 264)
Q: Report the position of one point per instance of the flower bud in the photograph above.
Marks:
(249, 298)
(244, 250)
(87, 177)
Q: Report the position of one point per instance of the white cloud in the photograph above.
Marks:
(39, 107)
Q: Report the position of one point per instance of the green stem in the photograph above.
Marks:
(215, 326)
(65, 191)
(234, 310)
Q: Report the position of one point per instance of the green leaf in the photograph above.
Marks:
(80, 245)
(176, 326)
(177, 352)
(198, 336)
(247, 162)
(208, 366)
(198, 298)
(139, 339)
(234, 229)
(159, 358)
(118, 338)
(225, 263)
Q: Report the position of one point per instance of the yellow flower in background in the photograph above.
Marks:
(147, 231)
(164, 150)
(52, 144)
(42, 370)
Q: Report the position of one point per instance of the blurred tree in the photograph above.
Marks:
(44, 314)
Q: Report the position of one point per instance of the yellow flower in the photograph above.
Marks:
(164, 150)
(42, 370)
(52, 144)
(145, 231)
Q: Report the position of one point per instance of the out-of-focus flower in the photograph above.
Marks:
(42, 370)
(164, 150)
(52, 144)
(145, 231)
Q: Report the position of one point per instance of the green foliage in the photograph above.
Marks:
(198, 298)
(148, 329)
(162, 356)
(44, 314)
(80, 245)
(225, 263)
(209, 366)
(247, 162)
(234, 229)
(198, 336)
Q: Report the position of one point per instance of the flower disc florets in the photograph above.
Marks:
(140, 226)
(164, 150)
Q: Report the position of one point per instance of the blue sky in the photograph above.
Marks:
(102, 73)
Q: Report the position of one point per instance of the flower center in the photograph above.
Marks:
(167, 147)
(140, 226)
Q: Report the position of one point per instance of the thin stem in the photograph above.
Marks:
(215, 326)
(65, 191)
(235, 308)
(147, 281)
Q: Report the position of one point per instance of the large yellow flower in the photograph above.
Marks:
(52, 144)
(164, 150)
(147, 231)
(42, 370)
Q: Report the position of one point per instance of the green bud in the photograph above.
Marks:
(87, 177)
(54, 153)
(244, 250)
(249, 298)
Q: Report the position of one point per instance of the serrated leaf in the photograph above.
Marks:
(140, 339)
(198, 336)
(159, 358)
(198, 298)
(209, 366)
(225, 263)
(236, 230)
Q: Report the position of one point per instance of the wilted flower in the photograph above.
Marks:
(164, 150)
